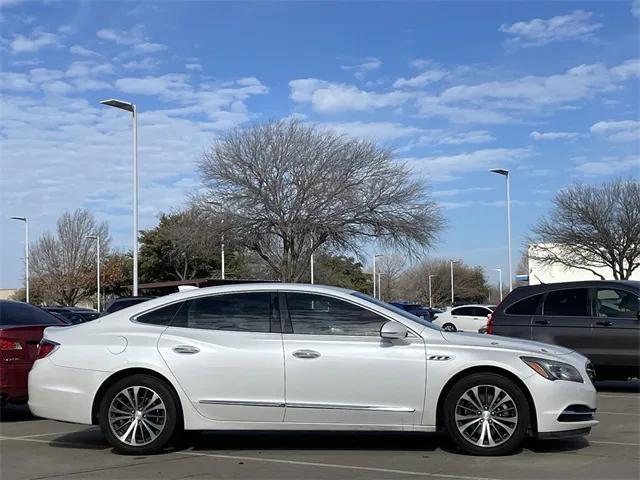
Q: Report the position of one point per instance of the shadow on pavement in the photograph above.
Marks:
(15, 413)
(626, 386)
(90, 438)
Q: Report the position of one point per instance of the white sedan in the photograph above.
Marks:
(465, 318)
(302, 357)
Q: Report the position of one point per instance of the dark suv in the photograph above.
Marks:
(597, 318)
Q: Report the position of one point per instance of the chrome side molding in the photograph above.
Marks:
(242, 403)
(323, 406)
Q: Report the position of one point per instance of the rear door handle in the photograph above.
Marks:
(605, 323)
(306, 354)
(542, 322)
(188, 349)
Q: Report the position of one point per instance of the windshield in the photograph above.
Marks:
(397, 310)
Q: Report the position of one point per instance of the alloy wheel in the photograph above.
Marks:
(486, 416)
(137, 415)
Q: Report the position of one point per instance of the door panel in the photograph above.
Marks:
(616, 328)
(376, 381)
(232, 376)
(565, 320)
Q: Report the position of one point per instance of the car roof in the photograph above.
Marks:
(472, 305)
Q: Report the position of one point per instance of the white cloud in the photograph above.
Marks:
(609, 166)
(146, 64)
(635, 8)
(618, 131)
(338, 97)
(148, 47)
(554, 135)
(121, 37)
(194, 67)
(363, 67)
(16, 82)
(449, 167)
(537, 32)
(377, 131)
(426, 77)
(82, 51)
(169, 84)
(34, 42)
(459, 191)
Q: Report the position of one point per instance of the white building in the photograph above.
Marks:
(539, 273)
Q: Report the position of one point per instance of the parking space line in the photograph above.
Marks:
(614, 443)
(630, 395)
(4, 437)
(618, 413)
(333, 465)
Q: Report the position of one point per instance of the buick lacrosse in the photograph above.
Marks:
(303, 357)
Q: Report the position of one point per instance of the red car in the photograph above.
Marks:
(21, 327)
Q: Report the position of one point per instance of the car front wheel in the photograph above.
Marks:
(486, 414)
(449, 327)
(139, 415)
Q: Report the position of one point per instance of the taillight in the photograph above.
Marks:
(490, 324)
(6, 344)
(45, 347)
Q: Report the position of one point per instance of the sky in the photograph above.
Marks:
(548, 90)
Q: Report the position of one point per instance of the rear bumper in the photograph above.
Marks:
(62, 393)
(13, 382)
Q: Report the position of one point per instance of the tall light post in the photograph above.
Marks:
(97, 239)
(311, 266)
(499, 270)
(452, 297)
(26, 254)
(374, 273)
(430, 302)
(504, 172)
(222, 250)
(379, 286)
(130, 107)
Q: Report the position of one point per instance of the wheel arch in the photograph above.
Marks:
(533, 420)
(127, 372)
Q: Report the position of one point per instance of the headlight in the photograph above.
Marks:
(552, 370)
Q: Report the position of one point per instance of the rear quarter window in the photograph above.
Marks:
(526, 306)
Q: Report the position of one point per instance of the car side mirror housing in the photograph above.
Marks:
(393, 330)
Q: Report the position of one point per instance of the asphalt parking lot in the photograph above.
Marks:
(32, 448)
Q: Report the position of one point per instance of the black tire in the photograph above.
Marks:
(449, 327)
(172, 419)
(488, 381)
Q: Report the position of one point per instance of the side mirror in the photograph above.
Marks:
(393, 330)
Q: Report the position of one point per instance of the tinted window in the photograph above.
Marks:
(480, 311)
(237, 312)
(616, 304)
(320, 315)
(17, 313)
(398, 311)
(160, 316)
(567, 303)
(464, 311)
(528, 306)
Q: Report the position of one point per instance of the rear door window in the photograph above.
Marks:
(160, 316)
(463, 311)
(527, 306)
(572, 302)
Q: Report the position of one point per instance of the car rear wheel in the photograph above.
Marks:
(486, 414)
(449, 327)
(139, 415)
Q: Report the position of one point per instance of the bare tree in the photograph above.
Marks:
(63, 263)
(470, 284)
(286, 189)
(592, 227)
(390, 268)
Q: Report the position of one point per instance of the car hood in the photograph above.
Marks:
(497, 342)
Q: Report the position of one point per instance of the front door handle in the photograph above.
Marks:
(188, 349)
(605, 323)
(306, 354)
(542, 322)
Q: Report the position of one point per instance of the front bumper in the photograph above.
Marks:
(557, 403)
(63, 393)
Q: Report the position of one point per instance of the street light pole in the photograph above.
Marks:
(97, 239)
(311, 262)
(222, 250)
(130, 107)
(430, 302)
(374, 273)
(499, 270)
(452, 297)
(504, 172)
(379, 287)
(26, 254)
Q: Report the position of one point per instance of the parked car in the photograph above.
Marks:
(74, 315)
(466, 318)
(21, 327)
(303, 357)
(416, 309)
(598, 318)
(124, 302)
